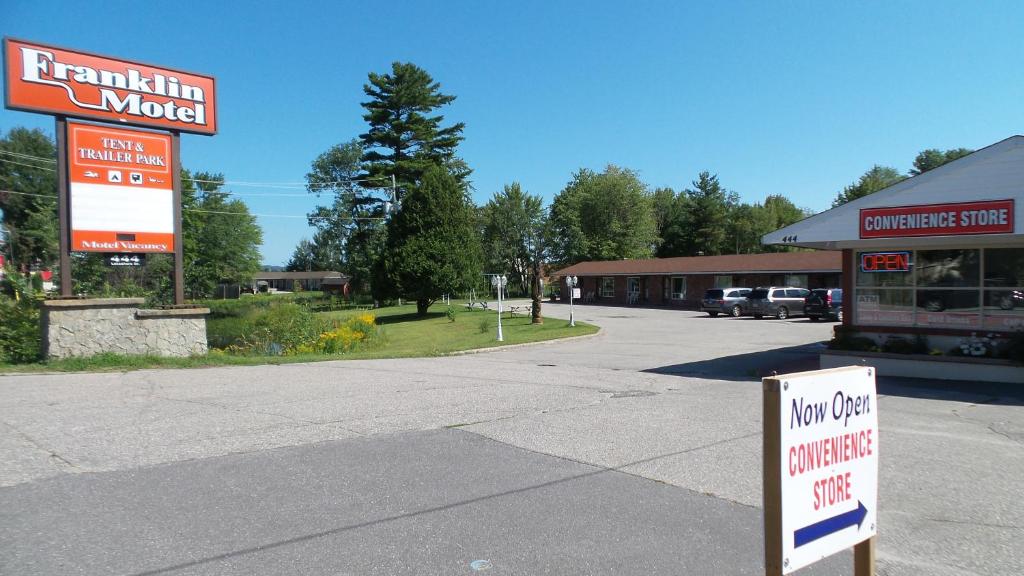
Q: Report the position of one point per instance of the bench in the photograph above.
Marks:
(471, 305)
(522, 310)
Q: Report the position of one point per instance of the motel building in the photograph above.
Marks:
(681, 282)
(937, 258)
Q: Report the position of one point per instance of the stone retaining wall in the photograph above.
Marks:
(118, 325)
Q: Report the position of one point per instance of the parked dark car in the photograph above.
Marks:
(781, 302)
(731, 301)
(824, 303)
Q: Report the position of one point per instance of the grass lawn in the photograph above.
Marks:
(405, 335)
(409, 336)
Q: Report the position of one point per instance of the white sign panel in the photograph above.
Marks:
(829, 451)
(121, 185)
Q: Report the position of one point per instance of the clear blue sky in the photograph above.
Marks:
(792, 98)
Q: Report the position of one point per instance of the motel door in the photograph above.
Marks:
(633, 289)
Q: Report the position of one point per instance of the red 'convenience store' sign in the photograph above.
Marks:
(963, 218)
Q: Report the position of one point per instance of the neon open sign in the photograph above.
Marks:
(885, 262)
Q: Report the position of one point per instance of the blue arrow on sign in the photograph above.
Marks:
(810, 533)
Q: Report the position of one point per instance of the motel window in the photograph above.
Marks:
(959, 288)
(607, 287)
(678, 287)
(798, 280)
(724, 282)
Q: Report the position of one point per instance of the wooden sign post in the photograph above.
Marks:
(820, 468)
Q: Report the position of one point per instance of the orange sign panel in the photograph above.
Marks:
(41, 78)
(122, 196)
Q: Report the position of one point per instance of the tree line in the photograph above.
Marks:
(398, 218)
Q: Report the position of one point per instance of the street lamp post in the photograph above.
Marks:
(571, 282)
(499, 282)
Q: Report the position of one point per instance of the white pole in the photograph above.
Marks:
(572, 288)
(500, 337)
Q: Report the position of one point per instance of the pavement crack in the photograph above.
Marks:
(970, 523)
(299, 422)
(53, 455)
(991, 428)
(623, 468)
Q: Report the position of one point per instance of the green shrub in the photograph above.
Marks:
(20, 335)
(900, 345)
(355, 332)
(450, 313)
(1013, 347)
(485, 324)
(846, 339)
(271, 329)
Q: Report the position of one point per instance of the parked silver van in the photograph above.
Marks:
(781, 302)
(731, 301)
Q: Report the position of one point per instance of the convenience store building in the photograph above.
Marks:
(936, 257)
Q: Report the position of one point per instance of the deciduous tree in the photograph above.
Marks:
(28, 197)
(350, 229)
(933, 158)
(220, 237)
(875, 179)
(606, 216)
(512, 230)
(302, 257)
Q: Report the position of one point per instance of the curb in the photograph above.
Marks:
(600, 332)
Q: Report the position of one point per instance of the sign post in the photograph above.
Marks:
(820, 468)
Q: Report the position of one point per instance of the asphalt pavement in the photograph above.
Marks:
(636, 451)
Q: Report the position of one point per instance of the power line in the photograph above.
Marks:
(270, 215)
(255, 194)
(27, 194)
(47, 168)
(289, 185)
(214, 211)
(28, 156)
(284, 185)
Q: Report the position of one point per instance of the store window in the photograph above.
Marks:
(948, 288)
(607, 287)
(678, 287)
(958, 288)
(1003, 295)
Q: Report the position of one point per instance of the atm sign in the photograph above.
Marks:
(885, 262)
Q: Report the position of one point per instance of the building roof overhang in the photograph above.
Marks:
(992, 173)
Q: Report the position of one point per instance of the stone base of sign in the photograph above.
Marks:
(118, 325)
(931, 367)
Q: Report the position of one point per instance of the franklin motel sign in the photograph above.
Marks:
(119, 188)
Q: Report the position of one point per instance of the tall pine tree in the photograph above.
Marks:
(406, 137)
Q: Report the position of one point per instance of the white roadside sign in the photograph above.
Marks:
(827, 463)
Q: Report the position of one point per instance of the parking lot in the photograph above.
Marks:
(634, 451)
